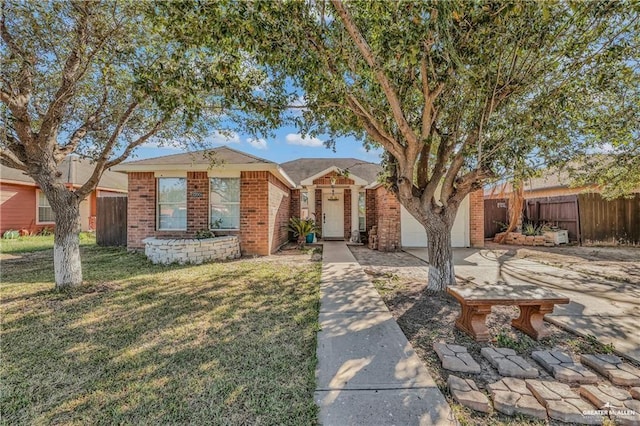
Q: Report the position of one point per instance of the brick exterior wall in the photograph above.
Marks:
(279, 213)
(326, 179)
(264, 209)
(319, 209)
(347, 214)
(476, 218)
(388, 220)
(254, 212)
(371, 217)
(295, 203)
(141, 208)
(197, 202)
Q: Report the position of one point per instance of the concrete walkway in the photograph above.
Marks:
(367, 373)
(608, 310)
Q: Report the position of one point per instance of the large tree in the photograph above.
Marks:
(456, 92)
(98, 79)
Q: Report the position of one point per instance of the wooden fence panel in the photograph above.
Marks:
(495, 213)
(111, 221)
(560, 211)
(610, 221)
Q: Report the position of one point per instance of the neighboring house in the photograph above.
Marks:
(24, 206)
(589, 218)
(238, 194)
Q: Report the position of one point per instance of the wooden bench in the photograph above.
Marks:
(476, 302)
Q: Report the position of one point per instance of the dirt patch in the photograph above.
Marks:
(612, 263)
(428, 318)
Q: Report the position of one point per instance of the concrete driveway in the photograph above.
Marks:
(608, 310)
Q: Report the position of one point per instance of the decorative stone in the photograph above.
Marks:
(456, 358)
(193, 251)
(467, 393)
(564, 368)
(511, 397)
(635, 392)
(562, 403)
(612, 367)
(508, 363)
(602, 395)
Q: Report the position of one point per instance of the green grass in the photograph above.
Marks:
(224, 343)
(38, 242)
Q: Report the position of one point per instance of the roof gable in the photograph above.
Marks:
(222, 154)
(304, 168)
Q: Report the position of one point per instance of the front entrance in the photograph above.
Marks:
(332, 215)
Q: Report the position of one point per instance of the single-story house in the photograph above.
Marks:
(24, 206)
(235, 193)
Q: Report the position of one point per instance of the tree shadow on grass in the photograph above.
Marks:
(227, 343)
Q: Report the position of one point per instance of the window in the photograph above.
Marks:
(172, 204)
(225, 203)
(45, 212)
(362, 211)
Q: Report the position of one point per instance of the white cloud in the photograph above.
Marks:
(257, 143)
(222, 138)
(298, 139)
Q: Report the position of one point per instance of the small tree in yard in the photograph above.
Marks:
(96, 78)
(455, 92)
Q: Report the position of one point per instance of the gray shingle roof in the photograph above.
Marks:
(223, 154)
(73, 170)
(302, 168)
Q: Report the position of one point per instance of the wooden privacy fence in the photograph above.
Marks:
(609, 221)
(588, 217)
(496, 213)
(560, 211)
(111, 221)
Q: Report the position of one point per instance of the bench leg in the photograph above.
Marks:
(472, 320)
(531, 321)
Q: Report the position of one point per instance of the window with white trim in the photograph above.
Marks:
(224, 199)
(45, 212)
(362, 212)
(172, 204)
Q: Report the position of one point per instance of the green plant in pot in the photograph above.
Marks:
(302, 229)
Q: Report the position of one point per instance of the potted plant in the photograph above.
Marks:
(303, 229)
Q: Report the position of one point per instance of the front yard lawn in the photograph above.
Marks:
(223, 343)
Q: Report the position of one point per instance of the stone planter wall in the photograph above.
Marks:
(194, 251)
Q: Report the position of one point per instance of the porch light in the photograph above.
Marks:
(333, 197)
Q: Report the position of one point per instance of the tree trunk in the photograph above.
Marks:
(66, 247)
(441, 273)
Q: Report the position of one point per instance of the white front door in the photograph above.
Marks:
(333, 215)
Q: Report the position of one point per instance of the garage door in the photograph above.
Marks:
(414, 235)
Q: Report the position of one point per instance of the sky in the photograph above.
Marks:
(287, 145)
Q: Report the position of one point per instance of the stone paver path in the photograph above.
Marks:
(466, 392)
(511, 396)
(564, 368)
(601, 395)
(635, 392)
(456, 358)
(562, 403)
(612, 367)
(508, 363)
(367, 373)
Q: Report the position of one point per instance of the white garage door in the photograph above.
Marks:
(414, 235)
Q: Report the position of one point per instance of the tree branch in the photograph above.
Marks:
(70, 76)
(9, 159)
(385, 84)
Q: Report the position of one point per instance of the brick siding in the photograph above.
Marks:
(279, 213)
(347, 214)
(476, 218)
(264, 208)
(326, 179)
(371, 217)
(388, 215)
